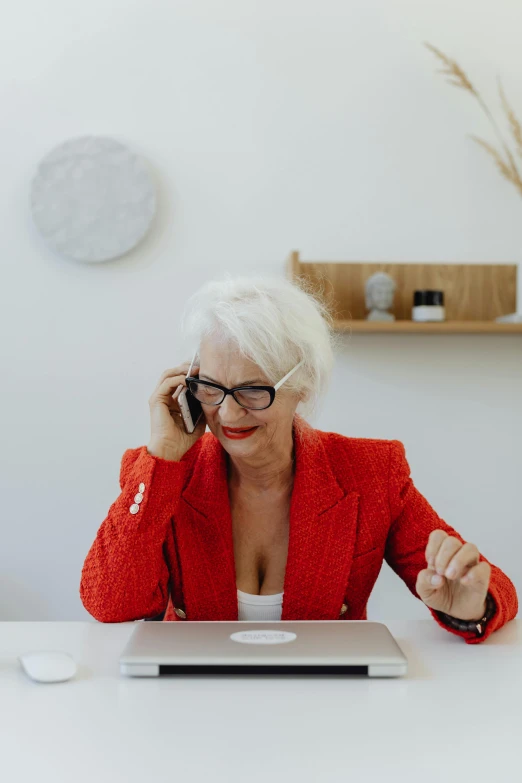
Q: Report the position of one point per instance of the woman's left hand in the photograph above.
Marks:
(455, 582)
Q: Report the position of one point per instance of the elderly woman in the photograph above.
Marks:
(265, 517)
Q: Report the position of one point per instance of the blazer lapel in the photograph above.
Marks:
(204, 539)
(323, 527)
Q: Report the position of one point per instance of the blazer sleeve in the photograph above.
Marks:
(412, 520)
(125, 575)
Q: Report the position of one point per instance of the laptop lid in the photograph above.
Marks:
(297, 646)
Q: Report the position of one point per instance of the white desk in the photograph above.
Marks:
(456, 716)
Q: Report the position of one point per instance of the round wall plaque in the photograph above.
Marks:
(92, 199)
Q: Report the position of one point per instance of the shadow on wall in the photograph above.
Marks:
(17, 602)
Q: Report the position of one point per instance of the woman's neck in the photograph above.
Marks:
(275, 471)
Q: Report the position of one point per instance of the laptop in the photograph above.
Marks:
(258, 647)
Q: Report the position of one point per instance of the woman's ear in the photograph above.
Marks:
(304, 396)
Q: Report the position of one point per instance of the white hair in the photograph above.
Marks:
(275, 323)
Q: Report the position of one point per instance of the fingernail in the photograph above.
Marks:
(451, 571)
(436, 579)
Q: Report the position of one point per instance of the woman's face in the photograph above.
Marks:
(222, 363)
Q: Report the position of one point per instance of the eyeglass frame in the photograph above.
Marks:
(270, 389)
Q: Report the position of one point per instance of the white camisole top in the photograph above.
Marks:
(259, 607)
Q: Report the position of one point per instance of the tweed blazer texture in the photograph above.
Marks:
(353, 506)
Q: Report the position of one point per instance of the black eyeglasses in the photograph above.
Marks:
(255, 398)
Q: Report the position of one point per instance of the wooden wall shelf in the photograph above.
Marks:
(412, 327)
(474, 295)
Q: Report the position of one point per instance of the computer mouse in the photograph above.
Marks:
(48, 666)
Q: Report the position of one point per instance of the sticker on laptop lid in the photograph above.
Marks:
(263, 637)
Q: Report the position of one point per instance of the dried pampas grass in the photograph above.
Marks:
(516, 128)
(505, 160)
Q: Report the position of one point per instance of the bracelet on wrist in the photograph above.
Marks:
(477, 627)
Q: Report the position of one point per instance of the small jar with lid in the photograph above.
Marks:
(428, 306)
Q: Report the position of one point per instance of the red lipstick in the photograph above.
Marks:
(238, 433)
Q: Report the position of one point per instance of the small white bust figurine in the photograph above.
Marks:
(380, 289)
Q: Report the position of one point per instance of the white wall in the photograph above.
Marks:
(272, 126)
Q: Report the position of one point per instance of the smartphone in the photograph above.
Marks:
(191, 410)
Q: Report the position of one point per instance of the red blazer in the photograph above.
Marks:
(353, 505)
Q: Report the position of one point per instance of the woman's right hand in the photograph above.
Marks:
(168, 437)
